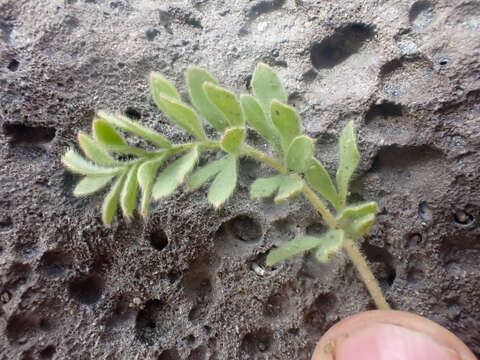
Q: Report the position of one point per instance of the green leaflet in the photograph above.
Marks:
(332, 242)
(77, 164)
(321, 181)
(174, 174)
(106, 135)
(267, 86)
(95, 152)
(260, 122)
(110, 203)
(196, 77)
(286, 120)
(183, 115)
(356, 228)
(299, 154)
(128, 197)
(130, 126)
(88, 185)
(349, 158)
(232, 140)
(160, 85)
(290, 187)
(225, 182)
(146, 176)
(265, 187)
(356, 211)
(205, 173)
(328, 243)
(226, 102)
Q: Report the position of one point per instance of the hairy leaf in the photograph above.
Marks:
(88, 185)
(183, 115)
(106, 135)
(327, 244)
(356, 211)
(196, 77)
(174, 174)
(286, 120)
(232, 140)
(160, 85)
(289, 188)
(128, 197)
(135, 128)
(356, 228)
(205, 173)
(349, 158)
(95, 152)
(146, 176)
(225, 182)
(77, 164)
(265, 187)
(299, 154)
(110, 203)
(226, 102)
(261, 123)
(332, 242)
(267, 86)
(321, 181)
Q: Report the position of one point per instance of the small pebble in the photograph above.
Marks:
(258, 269)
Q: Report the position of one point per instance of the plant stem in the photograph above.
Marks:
(353, 252)
(258, 155)
(320, 206)
(366, 274)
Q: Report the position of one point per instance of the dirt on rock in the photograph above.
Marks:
(181, 285)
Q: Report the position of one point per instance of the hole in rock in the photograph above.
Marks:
(13, 65)
(421, 14)
(414, 240)
(55, 262)
(264, 7)
(133, 113)
(86, 289)
(257, 341)
(384, 111)
(315, 316)
(20, 134)
(199, 353)
(158, 239)
(48, 352)
(463, 219)
(274, 305)
(170, 354)
(146, 324)
(245, 228)
(21, 327)
(424, 211)
(382, 264)
(335, 49)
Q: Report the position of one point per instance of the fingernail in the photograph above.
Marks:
(387, 342)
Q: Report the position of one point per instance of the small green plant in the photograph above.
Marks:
(160, 172)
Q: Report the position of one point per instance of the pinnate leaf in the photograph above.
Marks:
(265, 187)
(299, 154)
(183, 115)
(146, 174)
(355, 211)
(286, 121)
(327, 243)
(196, 77)
(332, 242)
(349, 159)
(106, 135)
(290, 187)
(260, 122)
(77, 164)
(225, 182)
(232, 140)
(205, 173)
(135, 128)
(110, 203)
(267, 86)
(359, 226)
(96, 152)
(128, 198)
(174, 174)
(160, 85)
(89, 185)
(321, 181)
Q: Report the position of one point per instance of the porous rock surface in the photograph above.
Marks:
(180, 285)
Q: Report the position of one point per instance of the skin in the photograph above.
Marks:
(390, 335)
